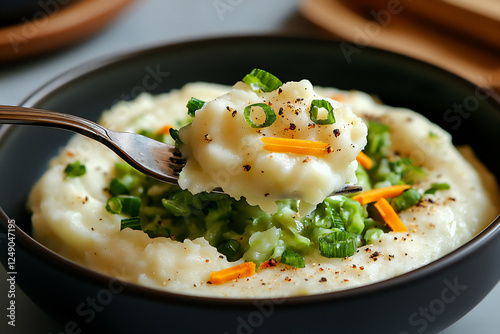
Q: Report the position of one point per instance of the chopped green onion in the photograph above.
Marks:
(174, 133)
(114, 205)
(292, 259)
(193, 105)
(338, 244)
(124, 204)
(175, 207)
(437, 186)
(134, 223)
(270, 115)
(372, 234)
(75, 169)
(406, 200)
(378, 139)
(122, 185)
(154, 230)
(262, 80)
(314, 109)
(230, 249)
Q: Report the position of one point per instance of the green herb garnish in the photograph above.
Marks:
(314, 110)
(75, 169)
(261, 80)
(269, 112)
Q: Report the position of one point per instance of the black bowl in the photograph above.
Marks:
(428, 299)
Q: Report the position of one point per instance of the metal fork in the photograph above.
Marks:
(156, 159)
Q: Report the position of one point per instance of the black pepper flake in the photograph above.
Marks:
(292, 126)
(246, 168)
(280, 111)
(280, 90)
(329, 149)
(266, 194)
(374, 256)
(208, 138)
(323, 279)
(336, 132)
(234, 113)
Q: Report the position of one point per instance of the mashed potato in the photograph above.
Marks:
(223, 150)
(69, 214)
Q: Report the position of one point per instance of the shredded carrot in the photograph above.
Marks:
(364, 160)
(298, 146)
(165, 130)
(373, 195)
(239, 271)
(390, 216)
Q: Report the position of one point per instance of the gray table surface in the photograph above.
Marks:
(153, 22)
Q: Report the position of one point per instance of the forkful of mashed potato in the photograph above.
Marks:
(267, 141)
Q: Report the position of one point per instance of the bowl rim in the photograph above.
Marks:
(60, 262)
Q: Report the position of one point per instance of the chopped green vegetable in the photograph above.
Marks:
(406, 200)
(134, 223)
(261, 80)
(124, 204)
(373, 234)
(379, 140)
(292, 259)
(75, 169)
(230, 249)
(437, 186)
(314, 110)
(193, 105)
(268, 111)
(338, 244)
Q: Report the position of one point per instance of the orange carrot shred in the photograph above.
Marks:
(298, 146)
(390, 216)
(165, 130)
(364, 160)
(226, 275)
(373, 195)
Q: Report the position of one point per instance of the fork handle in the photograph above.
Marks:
(35, 116)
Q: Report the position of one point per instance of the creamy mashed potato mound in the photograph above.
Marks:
(69, 214)
(223, 150)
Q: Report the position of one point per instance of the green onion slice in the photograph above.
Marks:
(261, 80)
(128, 205)
(270, 115)
(406, 200)
(75, 169)
(193, 105)
(134, 223)
(437, 186)
(230, 249)
(338, 244)
(314, 109)
(292, 259)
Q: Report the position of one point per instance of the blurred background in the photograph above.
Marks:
(42, 39)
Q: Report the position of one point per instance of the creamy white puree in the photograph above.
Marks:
(69, 214)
